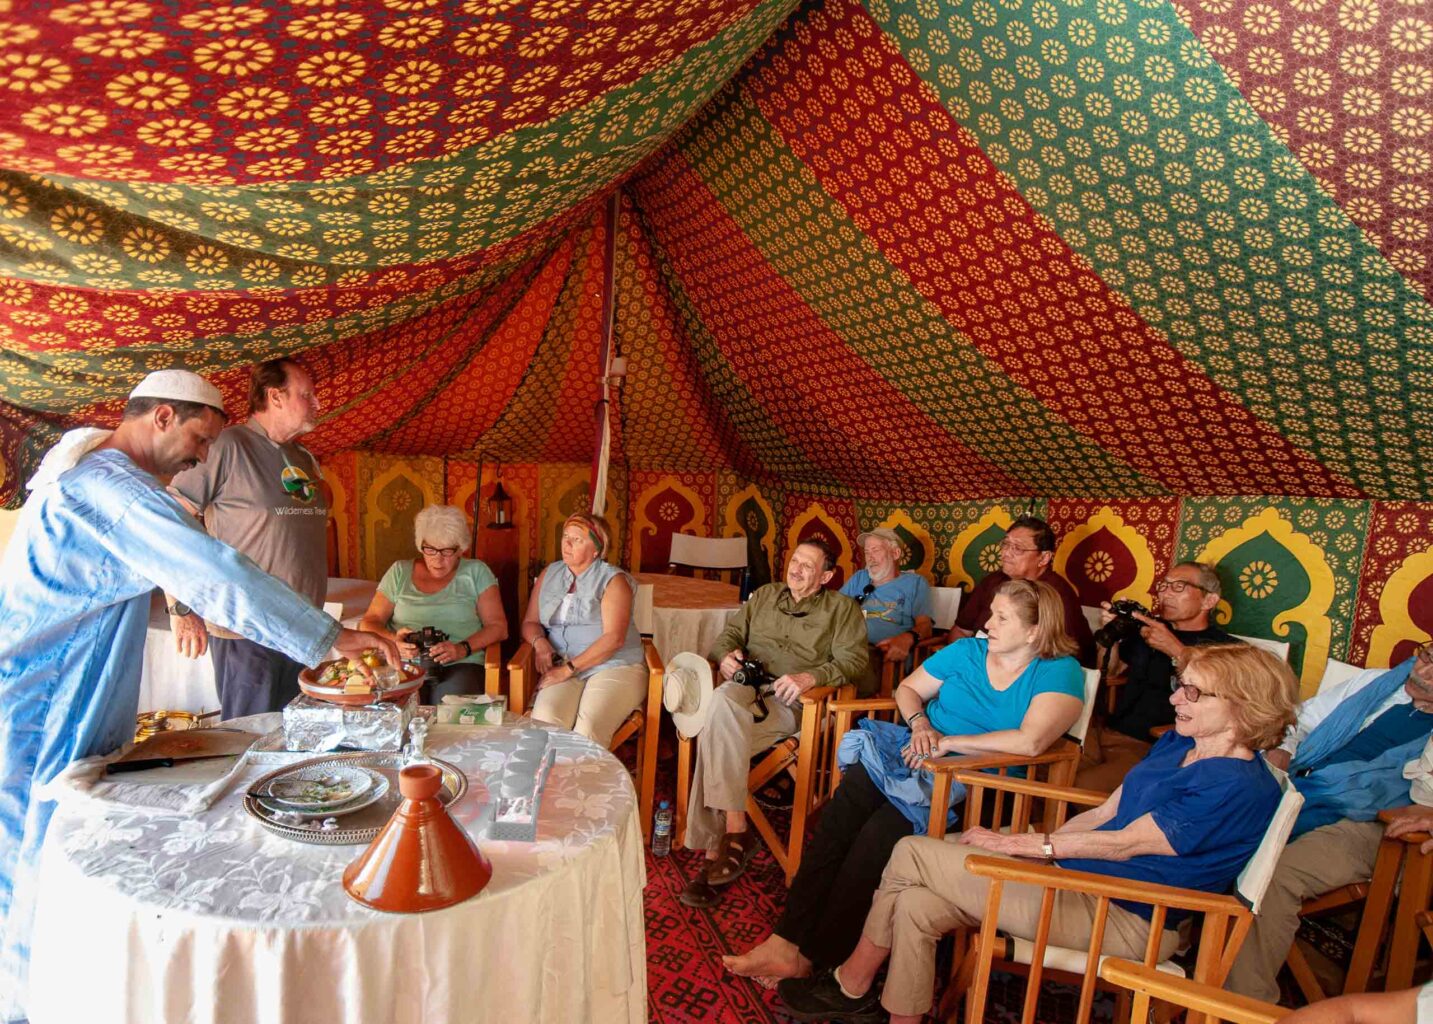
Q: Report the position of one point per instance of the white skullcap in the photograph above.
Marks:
(179, 386)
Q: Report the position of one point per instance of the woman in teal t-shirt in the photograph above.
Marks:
(444, 590)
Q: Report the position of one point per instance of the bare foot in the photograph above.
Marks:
(774, 958)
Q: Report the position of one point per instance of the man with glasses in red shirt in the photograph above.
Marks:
(1026, 553)
(1145, 665)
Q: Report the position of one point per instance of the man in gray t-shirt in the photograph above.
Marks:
(261, 492)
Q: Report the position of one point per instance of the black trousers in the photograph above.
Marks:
(251, 678)
(841, 870)
(462, 678)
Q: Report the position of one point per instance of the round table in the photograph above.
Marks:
(156, 917)
(688, 613)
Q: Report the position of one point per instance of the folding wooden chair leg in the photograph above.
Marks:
(1375, 914)
(1304, 976)
(684, 789)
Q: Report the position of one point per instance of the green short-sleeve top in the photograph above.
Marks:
(454, 609)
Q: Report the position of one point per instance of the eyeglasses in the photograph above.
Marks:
(866, 591)
(1010, 545)
(786, 598)
(1193, 693)
(428, 549)
(1177, 586)
(1424, 652)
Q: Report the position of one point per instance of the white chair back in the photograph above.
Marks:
(1279, 649)
(1092, 616)
(642, 609)
(1081, 728)
(334, 609)
(1336, 672)
(1253, 881)
(944, 604)
(708, 552)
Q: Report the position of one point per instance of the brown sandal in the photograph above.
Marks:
(734, 854)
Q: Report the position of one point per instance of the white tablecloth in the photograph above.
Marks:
(157, 917)
(172, 682)
(688, 614)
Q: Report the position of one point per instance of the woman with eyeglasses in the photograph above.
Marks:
(1014, 691)
(442, 589)
(585, 643)
(1189, 815)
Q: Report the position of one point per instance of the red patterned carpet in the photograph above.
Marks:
(685, 980)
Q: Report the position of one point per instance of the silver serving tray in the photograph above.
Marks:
(361, 826)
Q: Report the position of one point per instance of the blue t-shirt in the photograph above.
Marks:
(1214, 813)
(893, 607)
(968, 704)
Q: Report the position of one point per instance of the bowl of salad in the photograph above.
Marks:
(342, 681)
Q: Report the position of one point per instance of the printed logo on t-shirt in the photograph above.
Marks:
(296, 484)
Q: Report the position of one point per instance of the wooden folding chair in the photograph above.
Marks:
(1148, 983)
(720, 554)
(1226, 918)
(1057, 765)
(804, 756)
(644, 723)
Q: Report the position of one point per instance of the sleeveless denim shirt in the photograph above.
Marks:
(580, 624)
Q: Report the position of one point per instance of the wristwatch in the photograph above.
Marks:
(1047, 848)
(179, 608)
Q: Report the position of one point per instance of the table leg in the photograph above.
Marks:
(1375, 915)
(1403, 950)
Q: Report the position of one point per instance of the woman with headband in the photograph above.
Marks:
(585, 644)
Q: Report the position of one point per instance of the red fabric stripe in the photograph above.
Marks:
(842, 415)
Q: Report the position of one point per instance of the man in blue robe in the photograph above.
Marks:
(96, 536)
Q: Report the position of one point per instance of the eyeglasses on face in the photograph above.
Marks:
(1193, 693)
(1010, 545)
(1424, 652)
(429, 549)
(1176, 586)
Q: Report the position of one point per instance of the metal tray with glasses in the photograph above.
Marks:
(358, 826)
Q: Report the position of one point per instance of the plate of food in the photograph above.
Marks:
(284, 810)
(341, 681)
(321, 787)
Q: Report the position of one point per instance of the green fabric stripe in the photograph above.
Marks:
(1116, 124)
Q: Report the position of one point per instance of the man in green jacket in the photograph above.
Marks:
(805, 636)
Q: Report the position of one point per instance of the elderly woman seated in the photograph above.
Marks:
(1015, 691)
(1190, 814)
(442, 589)
(585, 645)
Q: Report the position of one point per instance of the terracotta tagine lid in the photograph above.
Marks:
(423, 859)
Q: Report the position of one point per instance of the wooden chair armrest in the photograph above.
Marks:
(865, 704)
(654, 660)
(980, 762)
(821, 694)
(1084, 797)
(933, 642)
(521, 681)
(1194, 995)
(1159, 730)
(493, 669)
(1049, 876)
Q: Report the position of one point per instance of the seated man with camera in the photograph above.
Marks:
(1145, 651)
(788, 638)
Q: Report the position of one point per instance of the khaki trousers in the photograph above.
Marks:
(725, 747)
(594, 707)
(1315, 863)
(926, 892)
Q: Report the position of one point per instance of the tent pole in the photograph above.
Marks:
(602, 452)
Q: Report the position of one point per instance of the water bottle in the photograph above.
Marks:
(662, 831)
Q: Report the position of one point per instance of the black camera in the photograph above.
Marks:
(1124, 624)
(425, 640)
(752, 673)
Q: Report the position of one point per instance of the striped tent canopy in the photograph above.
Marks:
(910, 249)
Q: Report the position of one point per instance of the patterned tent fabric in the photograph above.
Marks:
(918, 250)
